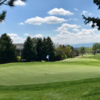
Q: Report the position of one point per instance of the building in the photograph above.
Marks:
(19, 48)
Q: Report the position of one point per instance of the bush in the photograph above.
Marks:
(19, 59)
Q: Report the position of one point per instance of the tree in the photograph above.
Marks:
(29, 51)
(95, 21)
(7, 50)
(82, 50)
(69, 51)
(61, 52)
(44, 48)
(39, 49)
(8, 3)
(96, 46)
(34, 41)
(59, 55)
(50, 49)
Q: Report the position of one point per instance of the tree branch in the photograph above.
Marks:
(3, 2)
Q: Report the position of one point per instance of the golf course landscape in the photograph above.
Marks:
(73, 79)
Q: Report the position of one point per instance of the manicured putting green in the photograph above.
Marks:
(44, 72)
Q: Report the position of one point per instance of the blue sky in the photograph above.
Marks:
(59, 19)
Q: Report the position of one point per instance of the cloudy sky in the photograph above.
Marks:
(59, 19)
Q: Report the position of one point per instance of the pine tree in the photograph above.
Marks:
(95, 21)
(8, 3)
(7, 49)
(29, 51)
(50, 49)
(45, 49)
(39, 49)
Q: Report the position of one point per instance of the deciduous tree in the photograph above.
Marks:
(82, 50)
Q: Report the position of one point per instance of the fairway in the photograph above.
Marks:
(49, 72)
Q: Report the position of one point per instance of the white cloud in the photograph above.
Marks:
(21, 23)
(38, 35)
(68, 36)
(54, 20)
(76, 9)
(26, 34)
(75, 30)
(86, 13)
(60, 11)
(16, 38)
(19, 3)
(75, 19)
(49, 20)
(67, 26)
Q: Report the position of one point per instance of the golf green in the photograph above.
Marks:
(49, 72)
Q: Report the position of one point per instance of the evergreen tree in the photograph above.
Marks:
(8, 3)
(34, 41)
(50, 49)
(7, 49)
(29, 51)
(45, 49)
(39, 49)
(95, 21)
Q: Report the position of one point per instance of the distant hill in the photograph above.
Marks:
(87, 45)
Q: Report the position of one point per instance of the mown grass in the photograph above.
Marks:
(44, 72)
(76, 79)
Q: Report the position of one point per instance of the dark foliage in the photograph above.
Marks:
(29, 51)
(7, 50)
(95, 21)
(45, 49)
(50, 49)
(82, 50)
(39, 49)
(8, 3)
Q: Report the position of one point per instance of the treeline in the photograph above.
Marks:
(94, 49)
(35, 49)
(63, 52)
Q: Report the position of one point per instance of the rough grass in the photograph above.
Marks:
(77, 79)
(74, 90)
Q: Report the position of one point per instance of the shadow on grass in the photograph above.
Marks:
(56, 85)
(93, 92)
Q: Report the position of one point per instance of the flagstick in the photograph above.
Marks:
(49, 66)
(48, 62)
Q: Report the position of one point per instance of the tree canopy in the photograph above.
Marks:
(8, 3)
(82, 50)
(95, 21)
(7, 49)
(29, 51)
